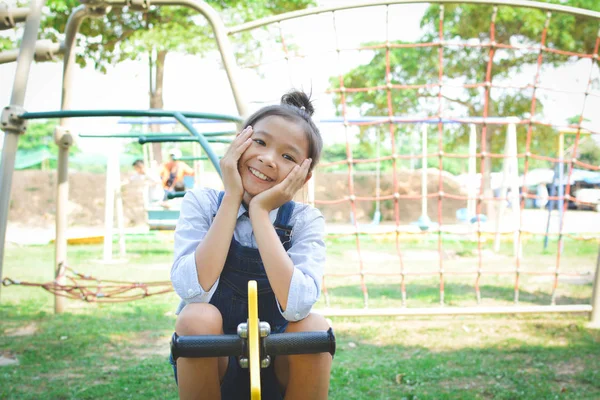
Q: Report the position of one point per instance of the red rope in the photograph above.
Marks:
(95, 290)
(92, 289)
(395, 196)
(352, 195)
(570, 166)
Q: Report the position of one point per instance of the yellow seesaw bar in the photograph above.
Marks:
(253, 349)
(248, 343)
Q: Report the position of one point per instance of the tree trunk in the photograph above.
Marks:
(156, 98)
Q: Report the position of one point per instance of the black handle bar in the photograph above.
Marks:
(233, 345)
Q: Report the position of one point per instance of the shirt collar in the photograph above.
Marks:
(243, 212)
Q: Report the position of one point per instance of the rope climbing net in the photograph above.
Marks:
(455, 81)
(477, 86)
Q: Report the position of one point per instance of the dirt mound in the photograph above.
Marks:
(336, 186)
(33, 199)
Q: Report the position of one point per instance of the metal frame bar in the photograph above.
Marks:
(73, 24)
(44, 51)
(361, 4)
(381, 312)
(126, 113)
(80, 13)
(11, 16)
(223, 44)
(11, 138)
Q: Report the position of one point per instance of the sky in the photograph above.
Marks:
(201, 85)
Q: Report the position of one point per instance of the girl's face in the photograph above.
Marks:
(278, 146)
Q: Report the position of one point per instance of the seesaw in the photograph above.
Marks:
(253, 344)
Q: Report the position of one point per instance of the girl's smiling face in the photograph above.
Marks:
(278, 146)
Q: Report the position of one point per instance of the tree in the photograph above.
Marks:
(471, 23)
(40, 135)
(152, 34)
(589, 151)
(38, 140)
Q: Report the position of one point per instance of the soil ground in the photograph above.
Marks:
(33, 198)
(32, 206)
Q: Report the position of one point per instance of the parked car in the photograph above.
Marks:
(588, 198)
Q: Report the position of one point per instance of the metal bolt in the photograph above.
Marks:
(265, 362)
(244, 362)
(242, 330)
(264, 328)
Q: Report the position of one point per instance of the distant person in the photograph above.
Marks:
(174, 170)
(153, 189)
(176, 201)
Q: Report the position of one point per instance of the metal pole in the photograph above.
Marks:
(10, 16)
(60, 243)
(377, 214)
(595, 314)
(432, 311)
(11, 138)
(472, 172)
(503, 187)
(44, 51)
(515, 199)
(63, 139)
(109, 205)
(561, 177)
(424, 170)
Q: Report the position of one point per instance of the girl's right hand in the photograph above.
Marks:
(232, 181)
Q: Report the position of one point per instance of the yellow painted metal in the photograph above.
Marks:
(253, 337)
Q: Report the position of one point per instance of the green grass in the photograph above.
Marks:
(120, 350)
(532, 246)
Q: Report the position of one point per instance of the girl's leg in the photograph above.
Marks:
(305, 376)
(200, 377)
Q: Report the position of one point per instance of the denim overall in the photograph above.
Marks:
(231, 298)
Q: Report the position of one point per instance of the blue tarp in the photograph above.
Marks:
(582, 175)
(29, 158)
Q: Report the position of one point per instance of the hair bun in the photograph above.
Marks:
(298, 99)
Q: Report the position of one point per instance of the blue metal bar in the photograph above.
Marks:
(127, 113)
(178, 139)
(136, 135)
(201, 139)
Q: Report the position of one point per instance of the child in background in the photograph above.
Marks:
(254, 231)
(174, 203)
(153, 191)
(174, 170)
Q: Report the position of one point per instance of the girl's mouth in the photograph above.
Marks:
(259, 175)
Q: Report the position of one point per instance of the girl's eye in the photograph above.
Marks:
(288, 157)
(260, 142)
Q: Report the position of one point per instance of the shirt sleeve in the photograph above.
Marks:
(308, 255)
(195, 218)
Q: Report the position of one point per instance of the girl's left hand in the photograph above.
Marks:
(284, 191)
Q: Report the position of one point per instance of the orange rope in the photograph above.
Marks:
(94, 290)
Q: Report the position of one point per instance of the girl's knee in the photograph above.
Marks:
(199, 319)
(314, 322)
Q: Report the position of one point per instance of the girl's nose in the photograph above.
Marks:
(267, 159)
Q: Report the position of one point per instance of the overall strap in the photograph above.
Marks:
(282, 224)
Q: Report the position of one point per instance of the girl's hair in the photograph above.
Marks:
(296, 107)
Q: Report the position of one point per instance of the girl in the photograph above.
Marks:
(253, 231)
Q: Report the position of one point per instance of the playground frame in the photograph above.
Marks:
(14, 117)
